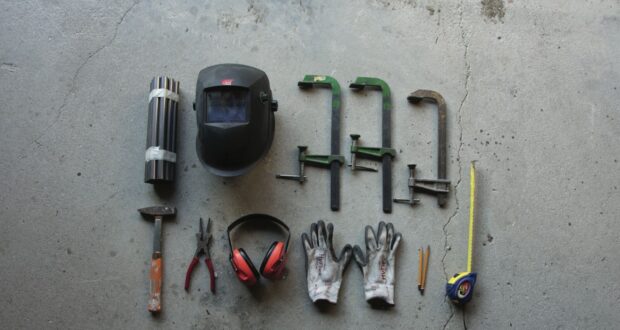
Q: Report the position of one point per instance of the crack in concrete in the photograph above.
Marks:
(449, 318)
(73, 87)
(460, 125)
(458, 157)
(464, 322)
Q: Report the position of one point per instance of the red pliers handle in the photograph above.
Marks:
(190, 269)
(203, 237)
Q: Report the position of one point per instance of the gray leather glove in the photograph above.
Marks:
(378, 264)
(324, 270)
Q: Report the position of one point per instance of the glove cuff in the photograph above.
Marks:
(325, 292)
(380, 291)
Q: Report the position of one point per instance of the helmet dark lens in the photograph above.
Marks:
(227, 105)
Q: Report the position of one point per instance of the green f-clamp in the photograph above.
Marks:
(333, 161)
(385, 153)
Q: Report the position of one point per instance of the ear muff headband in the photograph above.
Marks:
(258, 217)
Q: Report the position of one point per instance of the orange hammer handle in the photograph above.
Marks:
(156, 274)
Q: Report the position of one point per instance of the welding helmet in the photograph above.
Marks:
(235, 116)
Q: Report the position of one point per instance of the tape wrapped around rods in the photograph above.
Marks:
(160, 156)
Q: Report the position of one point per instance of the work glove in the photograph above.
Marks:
(378, 264)
(324, 270)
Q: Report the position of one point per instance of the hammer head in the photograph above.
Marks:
(158, 211)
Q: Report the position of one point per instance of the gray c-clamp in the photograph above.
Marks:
(440, 186)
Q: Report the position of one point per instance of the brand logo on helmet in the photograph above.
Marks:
(226, 82)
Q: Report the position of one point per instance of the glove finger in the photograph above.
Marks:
(358, 254)
(330, 234)
(390, 235)
(322, 234)
(345, 257)
(382, 236)
(314, 235)
(371, 239)
(395, 244)
(330, 243)
(306, 242)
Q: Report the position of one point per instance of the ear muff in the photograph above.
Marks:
(244, 268)
(273, 264)
(274, 260)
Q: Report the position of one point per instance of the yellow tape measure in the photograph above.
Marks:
(460, 287)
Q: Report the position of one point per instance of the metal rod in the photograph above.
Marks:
(160, 158)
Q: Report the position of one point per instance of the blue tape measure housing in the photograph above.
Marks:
(460, 288)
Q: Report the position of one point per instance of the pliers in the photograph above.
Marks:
(203, 237)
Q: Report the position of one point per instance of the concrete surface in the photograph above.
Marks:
(532, 92)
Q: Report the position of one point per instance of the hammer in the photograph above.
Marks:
(158, 212)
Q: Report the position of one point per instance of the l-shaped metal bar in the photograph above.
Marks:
(442, 147)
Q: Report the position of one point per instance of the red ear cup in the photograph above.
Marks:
(245, 270)
(274, 261)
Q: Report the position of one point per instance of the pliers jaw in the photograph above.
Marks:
(203, 237)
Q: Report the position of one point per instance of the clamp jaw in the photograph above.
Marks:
(375, 84)
(431, 186)
(374, 153)
(313, 80)
(304, 159)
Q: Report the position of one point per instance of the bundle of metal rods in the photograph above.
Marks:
(160, 157)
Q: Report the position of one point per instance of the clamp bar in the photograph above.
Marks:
(386, 140)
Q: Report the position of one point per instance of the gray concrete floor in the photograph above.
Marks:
(532, 92)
